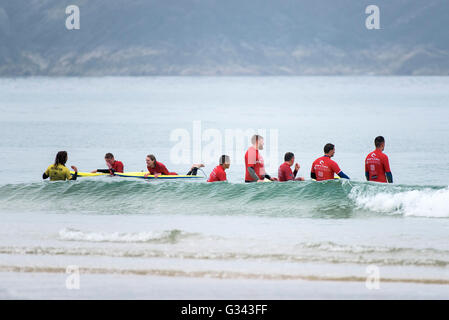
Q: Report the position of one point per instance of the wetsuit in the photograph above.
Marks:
(192, 172)
(285, 172)
(218, 174)
(59, 172)
(254, 166)
(160, 168)
(116, 167)
(325, 168)
(377, 167)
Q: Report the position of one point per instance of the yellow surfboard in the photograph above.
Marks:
(140, 175)
(89, 174)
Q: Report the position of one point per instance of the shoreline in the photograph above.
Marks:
(45, 286)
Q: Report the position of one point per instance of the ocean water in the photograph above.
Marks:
(270, 233)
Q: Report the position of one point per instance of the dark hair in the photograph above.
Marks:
(288, 156)
(61, 158)
(328, 147)
(224, 159)
(108, 155)
(256, 138)
(378, 141)
(152, 157)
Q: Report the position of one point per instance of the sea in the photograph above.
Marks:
(128, 238)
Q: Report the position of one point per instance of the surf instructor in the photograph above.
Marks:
(324, 167)
(254, 164)
(377, 166)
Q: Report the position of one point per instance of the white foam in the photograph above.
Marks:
(422, 203)
(77, 235)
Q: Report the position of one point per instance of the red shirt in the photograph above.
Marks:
(285, 172)
(325, 168)
(117, 166)
(218, 174)
(376, 164)
(159, 167)
(254, 159)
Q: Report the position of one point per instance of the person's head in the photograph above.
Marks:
(225, 161)
(151, 160)
(329, 150)
(109, 158)
(290, 158)
(379, 142)
(61, 158)
(257, 141)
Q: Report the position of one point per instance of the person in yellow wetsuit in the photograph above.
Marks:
(58, 170)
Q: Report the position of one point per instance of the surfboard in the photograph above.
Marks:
(140, 175)
(335, 178)
(88, 174)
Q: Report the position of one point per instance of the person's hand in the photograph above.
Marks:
(94, 171)
(300, 179)
(146, 175)
(157, 175)
(74, 168)
(297, 166)
(274, 179)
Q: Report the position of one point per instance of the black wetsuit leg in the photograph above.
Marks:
(193, 171)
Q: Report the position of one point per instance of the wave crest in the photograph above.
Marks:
(169, 236)
(419, 203)
(330, 199)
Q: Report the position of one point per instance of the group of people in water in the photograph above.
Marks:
(377, 167)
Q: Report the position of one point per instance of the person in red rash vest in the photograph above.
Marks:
(219, 174)
(157, 168)
(324, 168)
(285, 172)
(255, 170)
(377, 166)
(113, 165)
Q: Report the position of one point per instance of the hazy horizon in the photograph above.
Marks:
(214, 38)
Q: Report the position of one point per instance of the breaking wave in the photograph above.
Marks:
(330, 199)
